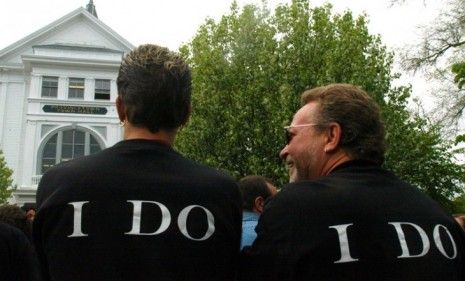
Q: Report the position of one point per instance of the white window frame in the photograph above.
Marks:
(99, 90)
(51, 90)
(59, 146)
(76, 88)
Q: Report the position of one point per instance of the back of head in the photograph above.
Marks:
(357, 114)
(252, 187)
(155, 87)
(15, 216)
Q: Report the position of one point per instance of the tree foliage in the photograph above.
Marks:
(249, 70)
(458, 69)
(5, 180)
(459, 204)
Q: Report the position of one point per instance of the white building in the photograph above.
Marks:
(57, 93)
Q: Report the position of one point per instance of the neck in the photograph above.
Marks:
(132, 132)
(335, 160)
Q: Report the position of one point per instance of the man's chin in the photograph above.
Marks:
(292, 176)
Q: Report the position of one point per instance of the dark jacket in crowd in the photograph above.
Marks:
(137, 211)
(18, 261)
(358, 223)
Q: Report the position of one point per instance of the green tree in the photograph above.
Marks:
(5, 180)
(249, 70)
(459, 204)
(458, 69)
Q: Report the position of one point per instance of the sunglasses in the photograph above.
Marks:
(289, 135)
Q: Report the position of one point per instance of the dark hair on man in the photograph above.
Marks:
(155, 87)
(363, 135)
(15, 216)
(29, 206)
(252, 187)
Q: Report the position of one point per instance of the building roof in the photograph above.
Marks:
(78, 47)
(58, 31)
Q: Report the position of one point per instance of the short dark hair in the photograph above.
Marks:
(252, 187)
(15, 216)
(29, 206)
(363, 134)
(155, 86)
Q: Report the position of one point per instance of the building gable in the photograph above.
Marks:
(78, 28)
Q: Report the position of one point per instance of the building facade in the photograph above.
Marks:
(57, 93)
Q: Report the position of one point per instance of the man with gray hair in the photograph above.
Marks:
(344, 217)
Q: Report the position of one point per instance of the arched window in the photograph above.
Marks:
(67, 145)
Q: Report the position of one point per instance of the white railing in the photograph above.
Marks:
(36, 179)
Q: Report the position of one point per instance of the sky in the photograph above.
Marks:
(171, 23)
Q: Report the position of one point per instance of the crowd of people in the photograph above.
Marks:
(139, 210)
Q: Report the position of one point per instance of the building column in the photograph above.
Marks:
(3, 93)
(35, 86)
(29, 154)
(89, 89)
(62, 88)
(113, 90)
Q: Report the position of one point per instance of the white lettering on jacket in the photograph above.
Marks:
(425, 242)
(137, 213)
(343, 243)
(403, 242)
(182, 222)
(77, 219)
(438, 242)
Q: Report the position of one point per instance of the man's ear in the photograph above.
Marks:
(259, 203)
(333, 137)
(120, 108)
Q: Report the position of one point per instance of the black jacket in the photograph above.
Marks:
(358, 223)
(18, 261)
(137, 211)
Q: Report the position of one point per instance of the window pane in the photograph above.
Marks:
(72, 145)
(76, 88)
(49, 86)
(102, 89)
(78, 151)
(68, 137)
(47, 163)
(50, 150)
(94, 148)
(52, 139)
(94, 145)
(67, 151)
(79, 137)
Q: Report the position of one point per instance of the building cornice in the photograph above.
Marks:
(61, 21)
(28, 60)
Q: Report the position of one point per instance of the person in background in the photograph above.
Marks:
(343, 216)
(30, 209)
(15, 216)
(460, 219)
(255, 190)
(139, 210)
(18, 259)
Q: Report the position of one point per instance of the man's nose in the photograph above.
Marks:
(283, 154)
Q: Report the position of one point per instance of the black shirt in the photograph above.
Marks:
(137, 211)
(358, 223)
(17, 257)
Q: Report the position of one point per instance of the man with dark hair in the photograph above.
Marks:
(139, 210)
(15, 216)
(30, 209)
(343, 217)
(254, 190)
